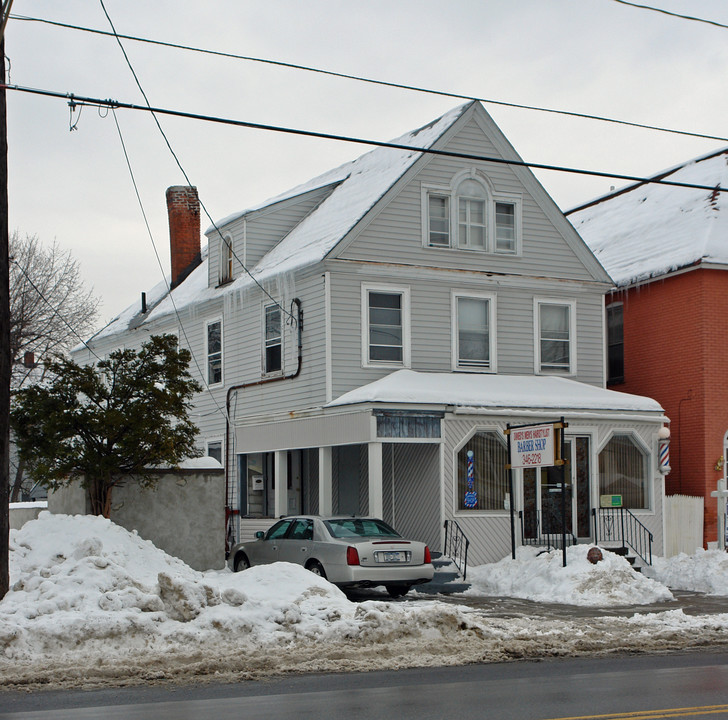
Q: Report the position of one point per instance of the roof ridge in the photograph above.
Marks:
(657, 176)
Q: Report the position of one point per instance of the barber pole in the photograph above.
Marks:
(471, 496)
(664, 456)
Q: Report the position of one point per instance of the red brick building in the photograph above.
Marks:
(666, 248)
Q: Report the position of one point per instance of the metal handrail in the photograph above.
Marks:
(551, 540)
(618, 524)
(456, 546)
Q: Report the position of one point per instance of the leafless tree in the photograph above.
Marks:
(50, 311)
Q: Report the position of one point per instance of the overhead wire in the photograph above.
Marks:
(53, 308)
(671, 14)
(372, 81)
(79, 100)
(161, 266)
(184, 173)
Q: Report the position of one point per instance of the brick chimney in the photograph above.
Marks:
(183, 208)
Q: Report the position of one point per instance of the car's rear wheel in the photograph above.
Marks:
(316, 568)
(397, 591)
(241, 562)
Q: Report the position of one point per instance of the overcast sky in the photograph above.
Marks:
(592, 56)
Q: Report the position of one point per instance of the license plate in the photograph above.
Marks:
(391, 556)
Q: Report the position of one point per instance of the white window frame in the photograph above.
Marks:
(207, 353)
(571, 304)
(404, 292)
(213, 440)
(264, 340)
(486, 200)
(492, 344)
(227, 259)
(491, 199)
(517, 202)
(442, 191)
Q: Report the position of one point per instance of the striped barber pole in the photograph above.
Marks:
(471, 496)
(664, 456)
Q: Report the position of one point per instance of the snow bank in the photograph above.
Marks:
(540, 576)
(706, 571)
(92, 604)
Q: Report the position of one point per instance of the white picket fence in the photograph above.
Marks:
(683, 524)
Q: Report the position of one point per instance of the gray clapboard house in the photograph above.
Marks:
(400, 311)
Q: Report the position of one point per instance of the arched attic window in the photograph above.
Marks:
(470, 214)
(472, 200)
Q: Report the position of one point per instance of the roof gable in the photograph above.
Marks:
(464, 153)
(649, 230)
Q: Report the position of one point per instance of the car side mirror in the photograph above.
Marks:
(259, 535)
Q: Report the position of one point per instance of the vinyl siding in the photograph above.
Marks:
(396, 232)
(431, 323)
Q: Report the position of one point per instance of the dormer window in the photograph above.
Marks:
(469, 215)
(226, 259)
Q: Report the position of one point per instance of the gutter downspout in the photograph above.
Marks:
(229, 512)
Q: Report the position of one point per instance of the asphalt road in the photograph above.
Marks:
(630, 688)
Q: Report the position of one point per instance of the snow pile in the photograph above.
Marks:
(84, 581)
(92, 604)
(706, 572)
(540, 576)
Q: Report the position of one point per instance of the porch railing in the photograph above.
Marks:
(456, 546)
(537, 538)
(618, 524)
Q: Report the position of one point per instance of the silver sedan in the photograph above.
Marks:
(348, 551)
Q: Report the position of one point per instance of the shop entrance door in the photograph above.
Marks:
(542, 491)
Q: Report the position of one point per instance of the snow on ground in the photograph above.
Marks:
(93, 604)
(705, 572)
(535, 575)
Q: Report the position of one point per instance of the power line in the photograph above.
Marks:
(51, 306)
(81, 101)
(671, 14)
(179, 164)
(161, 267)
(372, 81)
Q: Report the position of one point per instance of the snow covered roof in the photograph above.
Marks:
(648, 230)
(362, 183)
(359, 184)
(494, 391)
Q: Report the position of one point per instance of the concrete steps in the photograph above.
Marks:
(447, 579)
(633, 560)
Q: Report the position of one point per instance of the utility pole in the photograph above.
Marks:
(4, 328)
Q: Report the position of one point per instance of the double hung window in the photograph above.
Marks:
(214, 352)
(226, 259)
(505, 227)
(385, 322)
(439, 220)
(615, 344)
(214, 450)
(555, 339)
(273, 341)
(471, 215)
(473, 332)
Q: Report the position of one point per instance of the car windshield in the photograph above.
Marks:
(360, 527)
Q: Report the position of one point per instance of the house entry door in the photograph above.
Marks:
(542, 495)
